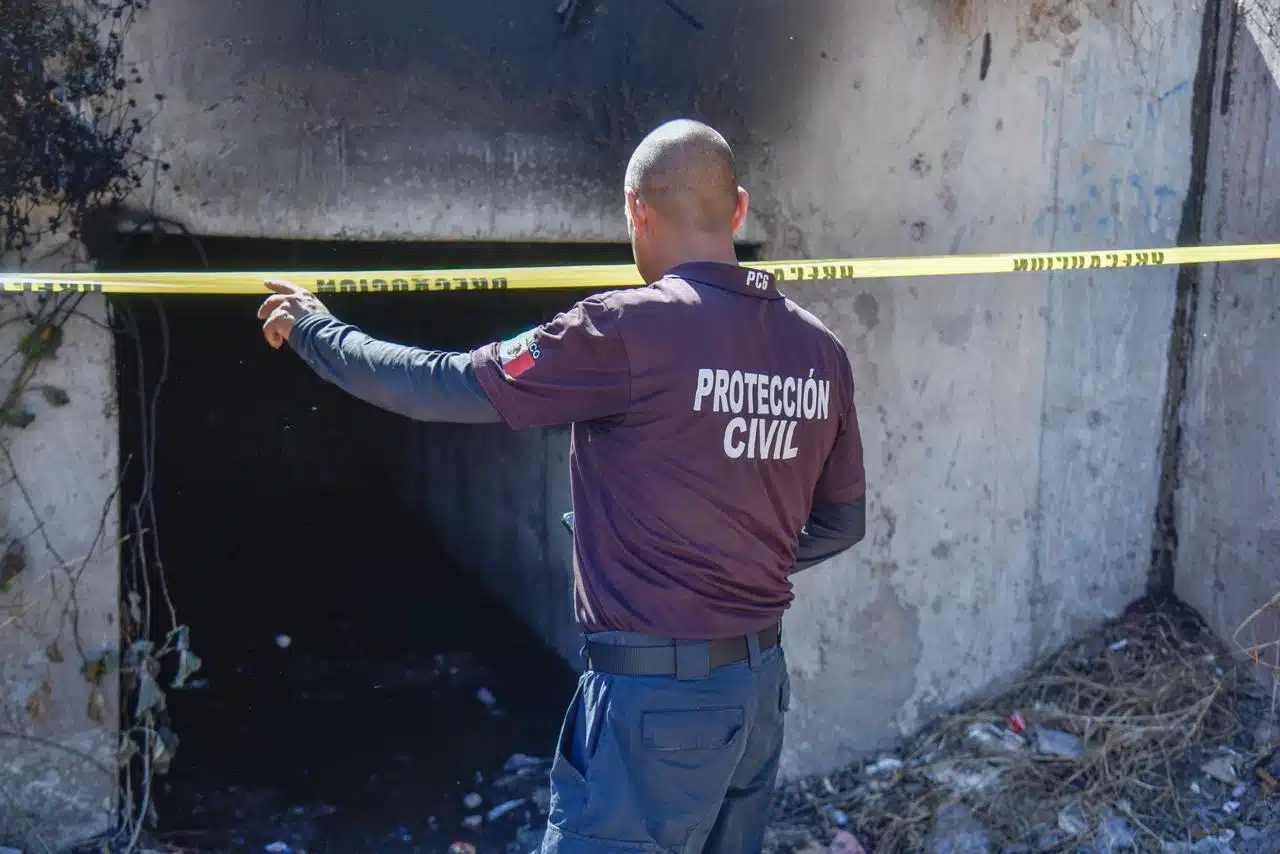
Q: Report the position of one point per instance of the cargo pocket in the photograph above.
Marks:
(568, 767)
(691, 729)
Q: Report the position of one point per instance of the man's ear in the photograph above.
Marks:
(637, 213)
(740, 210)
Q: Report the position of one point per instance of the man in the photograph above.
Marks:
(715, 451)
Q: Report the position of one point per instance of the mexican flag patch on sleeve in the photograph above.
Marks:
(518, 354)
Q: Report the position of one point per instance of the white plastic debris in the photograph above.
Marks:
(994, 738)
(278, 848)
(1221, 769)
(472, 821)
(472, 800)
(963, 781)
(284, 642)
(1119, 645)
(884, 765)
(522, 760)
(1051, 742)
(485, 696)
(503, 808)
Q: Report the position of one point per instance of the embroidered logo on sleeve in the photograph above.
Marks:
(518, 354)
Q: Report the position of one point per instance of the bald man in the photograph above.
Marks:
(715, 452)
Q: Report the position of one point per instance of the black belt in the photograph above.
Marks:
(684, 659)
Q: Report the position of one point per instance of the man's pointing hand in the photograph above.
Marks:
(280, 311)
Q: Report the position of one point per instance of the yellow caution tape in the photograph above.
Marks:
(609, 276)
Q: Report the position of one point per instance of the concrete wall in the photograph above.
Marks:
(493, 497)
(58, 521)
(1012, 425)
(1229, 496)
(496, 499)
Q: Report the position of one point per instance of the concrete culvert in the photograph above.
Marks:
(381, 607)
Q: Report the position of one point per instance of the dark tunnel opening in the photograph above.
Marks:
(358, 680)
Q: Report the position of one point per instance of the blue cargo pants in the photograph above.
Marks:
(668, 764)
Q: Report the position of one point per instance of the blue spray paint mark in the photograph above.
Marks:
(1164, 193)
(1153, 109)
(1136, 183)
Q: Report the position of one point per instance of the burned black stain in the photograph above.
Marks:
(941, 551)
(1228, 65)
(1164, 538)
(948, 197)
(12, 563)
(1095, 418)
(986, 57)
(920, 165)
(890, 520)
(919, 229)
(867, 308)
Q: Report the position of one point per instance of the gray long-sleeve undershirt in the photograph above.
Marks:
(435, 385)
(425, 385)
(830, 530)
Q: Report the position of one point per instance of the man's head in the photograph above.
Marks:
(683, 198)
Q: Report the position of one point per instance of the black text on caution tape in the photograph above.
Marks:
(424, 283)
(50, 287)
(1088, 261)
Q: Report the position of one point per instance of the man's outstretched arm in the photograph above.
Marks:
(426, 385)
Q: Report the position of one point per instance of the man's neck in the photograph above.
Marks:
(721, 251)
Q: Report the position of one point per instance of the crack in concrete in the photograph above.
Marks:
(1164, 540)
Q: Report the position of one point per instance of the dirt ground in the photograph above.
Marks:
(1144, 736)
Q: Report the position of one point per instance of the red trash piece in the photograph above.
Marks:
(1018, 723)
(462, 848)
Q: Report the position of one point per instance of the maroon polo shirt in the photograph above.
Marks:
(709, 413)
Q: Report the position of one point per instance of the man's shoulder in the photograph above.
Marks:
(637, 301)
(814, 323)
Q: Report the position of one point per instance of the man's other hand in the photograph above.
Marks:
(280, 311)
